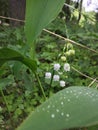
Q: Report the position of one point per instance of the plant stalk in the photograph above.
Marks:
(52, 78)
(40, 85)
(33, 56)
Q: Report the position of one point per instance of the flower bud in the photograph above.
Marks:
(69, 46)
(67, 53)
(72, 52)
(63, 58)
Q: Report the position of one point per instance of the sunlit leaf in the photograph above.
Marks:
(7, 54)
(69, 108)
(39, 13)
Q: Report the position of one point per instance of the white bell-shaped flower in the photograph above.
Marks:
(48, 75)
(57, 66)
(56, 78)
(67, 67)
(62, 83)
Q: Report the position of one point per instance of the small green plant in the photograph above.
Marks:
(67, 108)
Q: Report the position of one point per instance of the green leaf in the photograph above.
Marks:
(70, 108)
(6, 82)
(39, 13)
(7, 54)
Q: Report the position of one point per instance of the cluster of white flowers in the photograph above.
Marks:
(66, 67)
(56, 77)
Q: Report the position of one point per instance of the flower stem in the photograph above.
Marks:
(52, 78)
(33, 56)
(40, 85)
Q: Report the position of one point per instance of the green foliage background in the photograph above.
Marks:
(16, 79)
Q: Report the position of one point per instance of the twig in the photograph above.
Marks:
(71, 41)
(97, 86)
(83, 74)
(59, 36)
(18, 20)
(92, 83)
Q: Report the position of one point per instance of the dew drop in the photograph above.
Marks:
(62, 114)
(67, 91)
(62, 103)
(52, 115)
(57, 110)
(68, 100)
(87, 93)
(48, 106)
(67, 115)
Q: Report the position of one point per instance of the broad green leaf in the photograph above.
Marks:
(69, 108)
(39, 13)
(7, 54)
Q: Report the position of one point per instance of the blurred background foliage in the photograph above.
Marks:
(4, 8)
